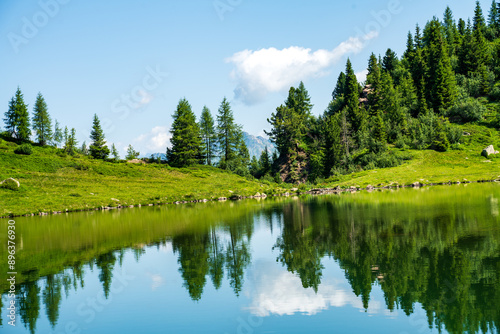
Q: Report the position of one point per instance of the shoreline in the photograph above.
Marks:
(294, 192)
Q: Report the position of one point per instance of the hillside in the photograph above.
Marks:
(53, 181)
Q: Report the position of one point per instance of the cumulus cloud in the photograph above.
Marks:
(279, 292)
(361, 76)
(258, 73)
(155, 141)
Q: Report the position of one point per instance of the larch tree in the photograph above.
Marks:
(208, 136)
(41, 122)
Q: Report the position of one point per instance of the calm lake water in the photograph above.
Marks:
(407, 261)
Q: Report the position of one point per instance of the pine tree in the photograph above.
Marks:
(333, 145)
(450, 30)
(114, 153)
(186, 140)
(16, 118)
(410, 49)
(378, 129)
(390, 61)
(58, 135)
(41, 122)
(131, 153)
(339, 87)
(98, 148)
(228, 135)
(208, 135)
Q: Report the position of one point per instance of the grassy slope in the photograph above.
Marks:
(53, 183)
(465, 164)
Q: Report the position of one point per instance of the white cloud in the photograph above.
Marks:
(279, 292)
(155, 141)
(264, 71)
(361, 76)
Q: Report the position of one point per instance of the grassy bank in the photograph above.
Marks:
(51, 181)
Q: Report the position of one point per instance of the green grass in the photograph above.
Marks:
(52, 182)
(431, 167)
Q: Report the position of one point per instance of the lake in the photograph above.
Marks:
(402, 261)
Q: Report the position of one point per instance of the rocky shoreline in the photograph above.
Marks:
(293, 192)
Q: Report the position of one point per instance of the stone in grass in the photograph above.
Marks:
(488, 151)
(10, 183)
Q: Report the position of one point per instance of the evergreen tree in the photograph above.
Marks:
(352, 98)
(98, 148)
(228, 135)
(478, 22)
(333, 145)
(450, 29)
(493, 20)
(84, 149)
(378, 129)
(410, 49)
(131, 153)
(114, 153)
(70, 141)
(390, 61)
(265, 162)
(339, 87)
(186, 140)
(207, 128)
(17, 120)
(58, 135)
(41, 122)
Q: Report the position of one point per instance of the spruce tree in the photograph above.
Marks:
(352, 98)
(16, 119)
(70, 142)
(207, 129)
(265, 162)
(478, 22)
(228, 134)
(186, 140)
(41, 122)
(98, 148)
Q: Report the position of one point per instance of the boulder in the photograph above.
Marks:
(10, 183)
(489, 150)
(136, 161)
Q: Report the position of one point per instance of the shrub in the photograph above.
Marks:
(469, 111)
(25, 149)
(441, 142)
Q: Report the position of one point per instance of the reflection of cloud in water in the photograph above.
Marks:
(157, 281)
(275, 291)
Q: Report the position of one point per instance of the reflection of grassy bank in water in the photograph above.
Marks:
(47, 245)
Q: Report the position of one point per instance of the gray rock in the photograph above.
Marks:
(489, 150)
(10, 183)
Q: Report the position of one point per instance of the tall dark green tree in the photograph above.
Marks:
(16, 119)
(208, 136)
(41, 122)
(229, 135)
(70, 143)
(98, 148)
(352, 98)
(186, 140)
(479, 22)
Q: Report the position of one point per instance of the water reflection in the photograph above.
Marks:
(433, 248)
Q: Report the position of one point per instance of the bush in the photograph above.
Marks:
(469, 111)
(441, 143)
(25, 149)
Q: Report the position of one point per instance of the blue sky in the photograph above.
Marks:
(131, 61)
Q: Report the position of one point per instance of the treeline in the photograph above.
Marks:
(447, 73)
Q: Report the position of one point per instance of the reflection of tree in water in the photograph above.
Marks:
(105, 262)
(237, 255)
(428, 260)
(29, 305)
(52, 298)
(193, 260)
(216, 259)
